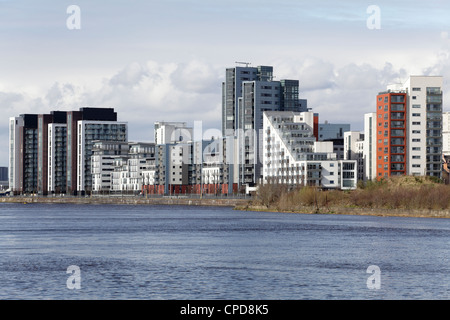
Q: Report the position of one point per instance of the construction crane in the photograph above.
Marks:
(246, 63)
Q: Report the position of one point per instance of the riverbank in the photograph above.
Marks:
(405, 196)
(413, 213)
(237, 204)
(221, 202)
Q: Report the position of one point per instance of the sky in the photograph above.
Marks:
(165, 60)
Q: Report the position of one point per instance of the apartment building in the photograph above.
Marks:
(292, 155)
(409, 129)
(105, 155)
(391, 133)
(354, 150)
(88, 132)
(246, 93)
(50, 153)
(23, 154)
(446, 133)
(369, 146)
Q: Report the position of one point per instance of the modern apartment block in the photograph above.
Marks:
(354, 150)
(391, 133)
(105, 155)
(425, 143)
(408, 130)
(446, 133)
(172, 132)
(292, 156)
(247, 93)
(23, 154)
(4, 183)
(88, 132)
(184, 166)
(369, 148)
(50, 153)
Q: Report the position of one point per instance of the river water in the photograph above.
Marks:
(188, 252)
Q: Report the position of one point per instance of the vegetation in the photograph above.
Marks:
(405, 193)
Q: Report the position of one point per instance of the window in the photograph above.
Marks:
(414, 97)
(416, 149)
(415, 89)
(416, 131)
(416, 114)
(416, 106)
(416, 123)
(415, 140)
(416, 157)
(416, 165)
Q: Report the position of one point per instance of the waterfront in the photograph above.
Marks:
(197, 252)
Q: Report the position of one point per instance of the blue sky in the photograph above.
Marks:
(165, 60)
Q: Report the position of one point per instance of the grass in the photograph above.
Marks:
(408, 193)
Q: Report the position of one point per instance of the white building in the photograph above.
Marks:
(424, 120)
(446, 133)
(14, 152)
(369, 147)
(120, 166)
(293, 156)
(354, 150)
(172, 132)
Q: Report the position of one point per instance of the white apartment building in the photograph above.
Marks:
(354, 150)
(14, 152)
(293, 156)
(446, 133)
(369, 146)
(120, 166)
(172, 132)
(424, 120)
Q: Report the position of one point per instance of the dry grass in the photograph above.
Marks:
(393, 193)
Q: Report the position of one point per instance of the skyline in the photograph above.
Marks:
(165, 61)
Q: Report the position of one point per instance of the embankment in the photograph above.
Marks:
(415, 213)
(223, 202)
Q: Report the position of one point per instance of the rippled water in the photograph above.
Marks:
(187, 252)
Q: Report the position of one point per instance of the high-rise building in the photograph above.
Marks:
(51, 152)
(409, 128)
(391, 133)
(247, 93)
(446, 133)
(370, 141)
(88, 132)
(23, 154)
(424, 120)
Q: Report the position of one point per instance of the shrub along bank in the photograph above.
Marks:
(415, 196)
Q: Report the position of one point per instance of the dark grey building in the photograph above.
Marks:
(247, 93)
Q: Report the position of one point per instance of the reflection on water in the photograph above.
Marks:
(178, 252)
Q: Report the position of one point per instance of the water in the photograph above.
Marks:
(187, 252)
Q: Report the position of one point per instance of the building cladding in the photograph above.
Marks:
(44, 149)
(408, 128)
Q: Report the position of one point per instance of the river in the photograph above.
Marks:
(74, 252)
